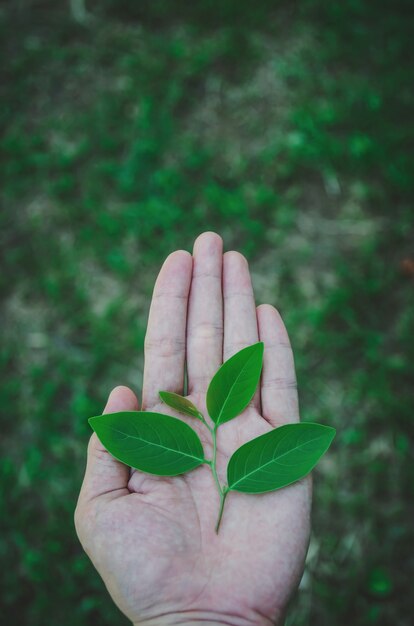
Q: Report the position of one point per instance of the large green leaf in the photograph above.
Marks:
(278, 458)
(234, 384)
(179, 403)
(150, 442)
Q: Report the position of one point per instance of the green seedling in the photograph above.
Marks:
(166, 446)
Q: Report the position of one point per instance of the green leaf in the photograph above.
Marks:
(278, 458)
(179, 403)
(234, 384)
(150, 442)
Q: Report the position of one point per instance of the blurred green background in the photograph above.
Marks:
(129, 128)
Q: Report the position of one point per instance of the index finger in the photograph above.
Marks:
(165, 339)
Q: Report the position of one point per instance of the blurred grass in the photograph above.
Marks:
(286, 128)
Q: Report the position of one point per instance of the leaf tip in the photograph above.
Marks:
(332, 432)
(257, 347)
(91, 422)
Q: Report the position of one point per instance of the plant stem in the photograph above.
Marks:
(213, 464)
(223, 491)
(201, 418)
(223, 495)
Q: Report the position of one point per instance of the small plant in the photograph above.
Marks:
(163, 445)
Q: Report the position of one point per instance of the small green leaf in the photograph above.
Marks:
(234, 384)
(179, 403)
(150, 442)
(278, 458)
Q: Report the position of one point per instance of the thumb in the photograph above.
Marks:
(103, 473)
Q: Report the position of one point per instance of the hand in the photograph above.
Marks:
(152, 538)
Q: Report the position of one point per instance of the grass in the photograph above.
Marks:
(289, 131)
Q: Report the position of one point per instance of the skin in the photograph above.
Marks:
(152, 538)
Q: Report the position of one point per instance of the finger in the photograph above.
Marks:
(165, 337)
(278, 384)
(104, 474)
(205, 313)
(240, 321)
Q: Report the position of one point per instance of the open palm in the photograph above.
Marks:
(152, 538)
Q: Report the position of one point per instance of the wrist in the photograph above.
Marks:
(207, 618)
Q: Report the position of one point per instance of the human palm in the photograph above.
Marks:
(152, 538)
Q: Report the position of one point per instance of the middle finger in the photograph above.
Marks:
(205, 313)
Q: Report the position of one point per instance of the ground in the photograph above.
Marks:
(129, 128)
